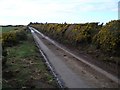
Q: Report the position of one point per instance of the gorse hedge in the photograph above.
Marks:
(13, 37)
(103, 37)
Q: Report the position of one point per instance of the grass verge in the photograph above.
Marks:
(25, 67)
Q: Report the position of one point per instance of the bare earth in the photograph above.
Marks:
(71, 71)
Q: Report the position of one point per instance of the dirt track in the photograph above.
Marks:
(72, 72)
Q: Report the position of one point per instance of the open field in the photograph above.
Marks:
(25, 67)
(11, 28)
(7, 29)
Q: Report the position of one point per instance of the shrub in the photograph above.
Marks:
(9, 39)
(108, 38)
(13, 37)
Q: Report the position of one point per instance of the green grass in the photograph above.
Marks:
(7, 29)
(11, 28)
(26, 65)
(22, 51)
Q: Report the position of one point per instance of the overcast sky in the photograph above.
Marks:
(60, 11)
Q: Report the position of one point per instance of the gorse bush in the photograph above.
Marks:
(13, 37)
(21, 35)
(9, 39)
(106, 38)
(82, 33)
(69, 33)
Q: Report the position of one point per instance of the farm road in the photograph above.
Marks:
(73, 73)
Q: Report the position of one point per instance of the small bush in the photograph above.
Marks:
(13, 37)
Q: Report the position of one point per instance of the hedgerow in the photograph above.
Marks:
(103, 37)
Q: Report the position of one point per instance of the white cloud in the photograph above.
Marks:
(21, 10)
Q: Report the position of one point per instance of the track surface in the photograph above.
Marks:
(72, 72)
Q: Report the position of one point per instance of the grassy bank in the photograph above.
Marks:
(25, 67)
